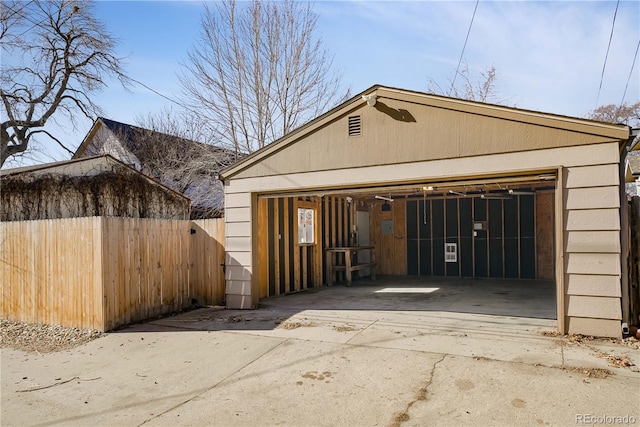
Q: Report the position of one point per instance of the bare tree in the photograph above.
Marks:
(628, 114)
(258, 71)
(481, 88)
(55, 56)
(165, 143)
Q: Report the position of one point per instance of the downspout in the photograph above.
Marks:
(625, 234)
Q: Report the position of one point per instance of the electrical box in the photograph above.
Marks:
(387, 226)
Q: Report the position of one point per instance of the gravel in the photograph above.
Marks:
(32, 337)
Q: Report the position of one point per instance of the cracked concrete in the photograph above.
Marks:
(421, 395)
(301, 361)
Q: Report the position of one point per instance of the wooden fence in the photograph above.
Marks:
(102, 273)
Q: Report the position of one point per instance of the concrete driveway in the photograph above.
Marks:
(332, 357)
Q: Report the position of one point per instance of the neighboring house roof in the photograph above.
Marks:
(128, 136)
(87, 166)
(496, 114)
(42, 166)
(634, 165)
(633, 168)
(187, 166)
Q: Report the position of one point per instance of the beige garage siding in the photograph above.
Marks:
(482, 166)
(591, 220)
(592, 249)
(238, 251)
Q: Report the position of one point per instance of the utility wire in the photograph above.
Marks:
(464, 47)
(630, 73)
(156, 92)
(613, 24)
(178, 103)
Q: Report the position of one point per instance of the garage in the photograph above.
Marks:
(397, 183)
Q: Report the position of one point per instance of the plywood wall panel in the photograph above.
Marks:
(545, 235)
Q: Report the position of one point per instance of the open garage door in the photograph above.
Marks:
(500, 228)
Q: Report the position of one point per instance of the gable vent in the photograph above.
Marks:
(355, 125)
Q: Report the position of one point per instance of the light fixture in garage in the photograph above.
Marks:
(494, 197)
(457, 193)
(521, 193)
(386, 207)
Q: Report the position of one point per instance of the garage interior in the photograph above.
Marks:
(486, 245)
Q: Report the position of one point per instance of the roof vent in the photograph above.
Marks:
(355, 125)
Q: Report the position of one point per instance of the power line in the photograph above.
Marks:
(156, 92)
(178, 103)
(465, 46)
(613, 24)
(630, 73)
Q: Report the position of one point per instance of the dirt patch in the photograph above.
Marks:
(235, 319)
(399, 419)
(294, 325)
(614, 360)
(588, 372)
(315, 375)
(37, 338)
(631, 342)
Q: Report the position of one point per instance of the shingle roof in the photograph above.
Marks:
(129, 135)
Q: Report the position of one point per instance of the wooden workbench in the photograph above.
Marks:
(349, 266)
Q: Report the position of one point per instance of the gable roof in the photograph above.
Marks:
(128, 135)
(632, 171)
(86, 166)
(552, 121)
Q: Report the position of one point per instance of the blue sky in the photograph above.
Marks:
(548, 54)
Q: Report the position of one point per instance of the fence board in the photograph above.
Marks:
(102, 273)
(206, 275)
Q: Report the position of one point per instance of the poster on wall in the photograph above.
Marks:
(306, 226)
